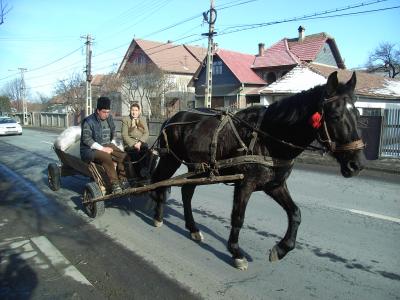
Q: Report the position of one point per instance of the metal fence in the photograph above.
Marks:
(390, 138)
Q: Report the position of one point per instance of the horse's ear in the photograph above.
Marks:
(351, 84)
(332, 84)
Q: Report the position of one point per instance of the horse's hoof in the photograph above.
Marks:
(240, 263)
(197, 236)
(158, 223)
(273, 254)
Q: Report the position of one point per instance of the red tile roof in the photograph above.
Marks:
(308, 48)
(240, 65)
(292, 51)
(277, 55)
(169, 57)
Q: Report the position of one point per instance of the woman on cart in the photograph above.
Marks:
(135, 134)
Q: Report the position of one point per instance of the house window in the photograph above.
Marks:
(217, 68)
(140, 59)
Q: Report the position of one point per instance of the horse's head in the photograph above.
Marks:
(338, 131)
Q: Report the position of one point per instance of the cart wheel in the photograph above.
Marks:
(93, 209)
(54, 176)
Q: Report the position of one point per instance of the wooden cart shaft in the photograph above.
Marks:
(175, 181)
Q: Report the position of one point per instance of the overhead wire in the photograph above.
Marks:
(310, 17)
(228, 30)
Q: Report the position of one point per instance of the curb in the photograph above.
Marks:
(386, 165)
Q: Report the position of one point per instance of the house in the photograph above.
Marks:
(274, 62)
(377, 99)
(177, 65)
(232, 78)
(373, 93)
(238, 78)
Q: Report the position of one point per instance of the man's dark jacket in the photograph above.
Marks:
(94, 123)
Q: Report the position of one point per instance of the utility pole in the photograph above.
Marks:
(88, 71)
(210, 17)
(24, 105)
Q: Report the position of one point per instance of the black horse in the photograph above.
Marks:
(261, 143)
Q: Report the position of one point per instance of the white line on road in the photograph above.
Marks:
(47, 142)
(58, 260)
(373, 215)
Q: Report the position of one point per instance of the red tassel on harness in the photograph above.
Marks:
(315, 120)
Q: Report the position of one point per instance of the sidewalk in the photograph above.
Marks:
(387, 165)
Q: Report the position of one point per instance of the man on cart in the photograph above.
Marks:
(98, 145)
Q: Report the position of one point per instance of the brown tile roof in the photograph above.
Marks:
(169, 57)
(240, 65)
(367, 84)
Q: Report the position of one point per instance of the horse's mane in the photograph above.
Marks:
(295, 108)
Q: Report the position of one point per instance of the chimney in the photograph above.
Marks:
(301, 30)
(215, 48)
(261, 49)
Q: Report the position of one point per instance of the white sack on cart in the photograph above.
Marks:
(70, 138)
(67, 138)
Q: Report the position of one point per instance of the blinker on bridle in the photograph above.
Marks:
(331, 145)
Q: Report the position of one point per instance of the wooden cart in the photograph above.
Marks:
(99, 189)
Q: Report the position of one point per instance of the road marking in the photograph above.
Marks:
(373, 215)
(47, 142)
(58, 260)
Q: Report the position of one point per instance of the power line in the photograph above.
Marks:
(306, 17)
(57, 60)
(232, 29)
(233, 3)
(46, 65)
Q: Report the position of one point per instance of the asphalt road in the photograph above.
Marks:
(347, 243)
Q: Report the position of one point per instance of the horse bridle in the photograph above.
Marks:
(331, 145)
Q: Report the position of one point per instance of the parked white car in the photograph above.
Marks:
(9, 126)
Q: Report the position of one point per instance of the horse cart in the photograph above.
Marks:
(98, 189)
(255, 148)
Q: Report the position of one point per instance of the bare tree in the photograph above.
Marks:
(385, 58)
(13, 90)
(105, 85)
(146, 84)
(72, 92)
(44, 101)
(3, 11)
(5, 104)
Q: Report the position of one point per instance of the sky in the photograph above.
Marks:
(47, 37)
